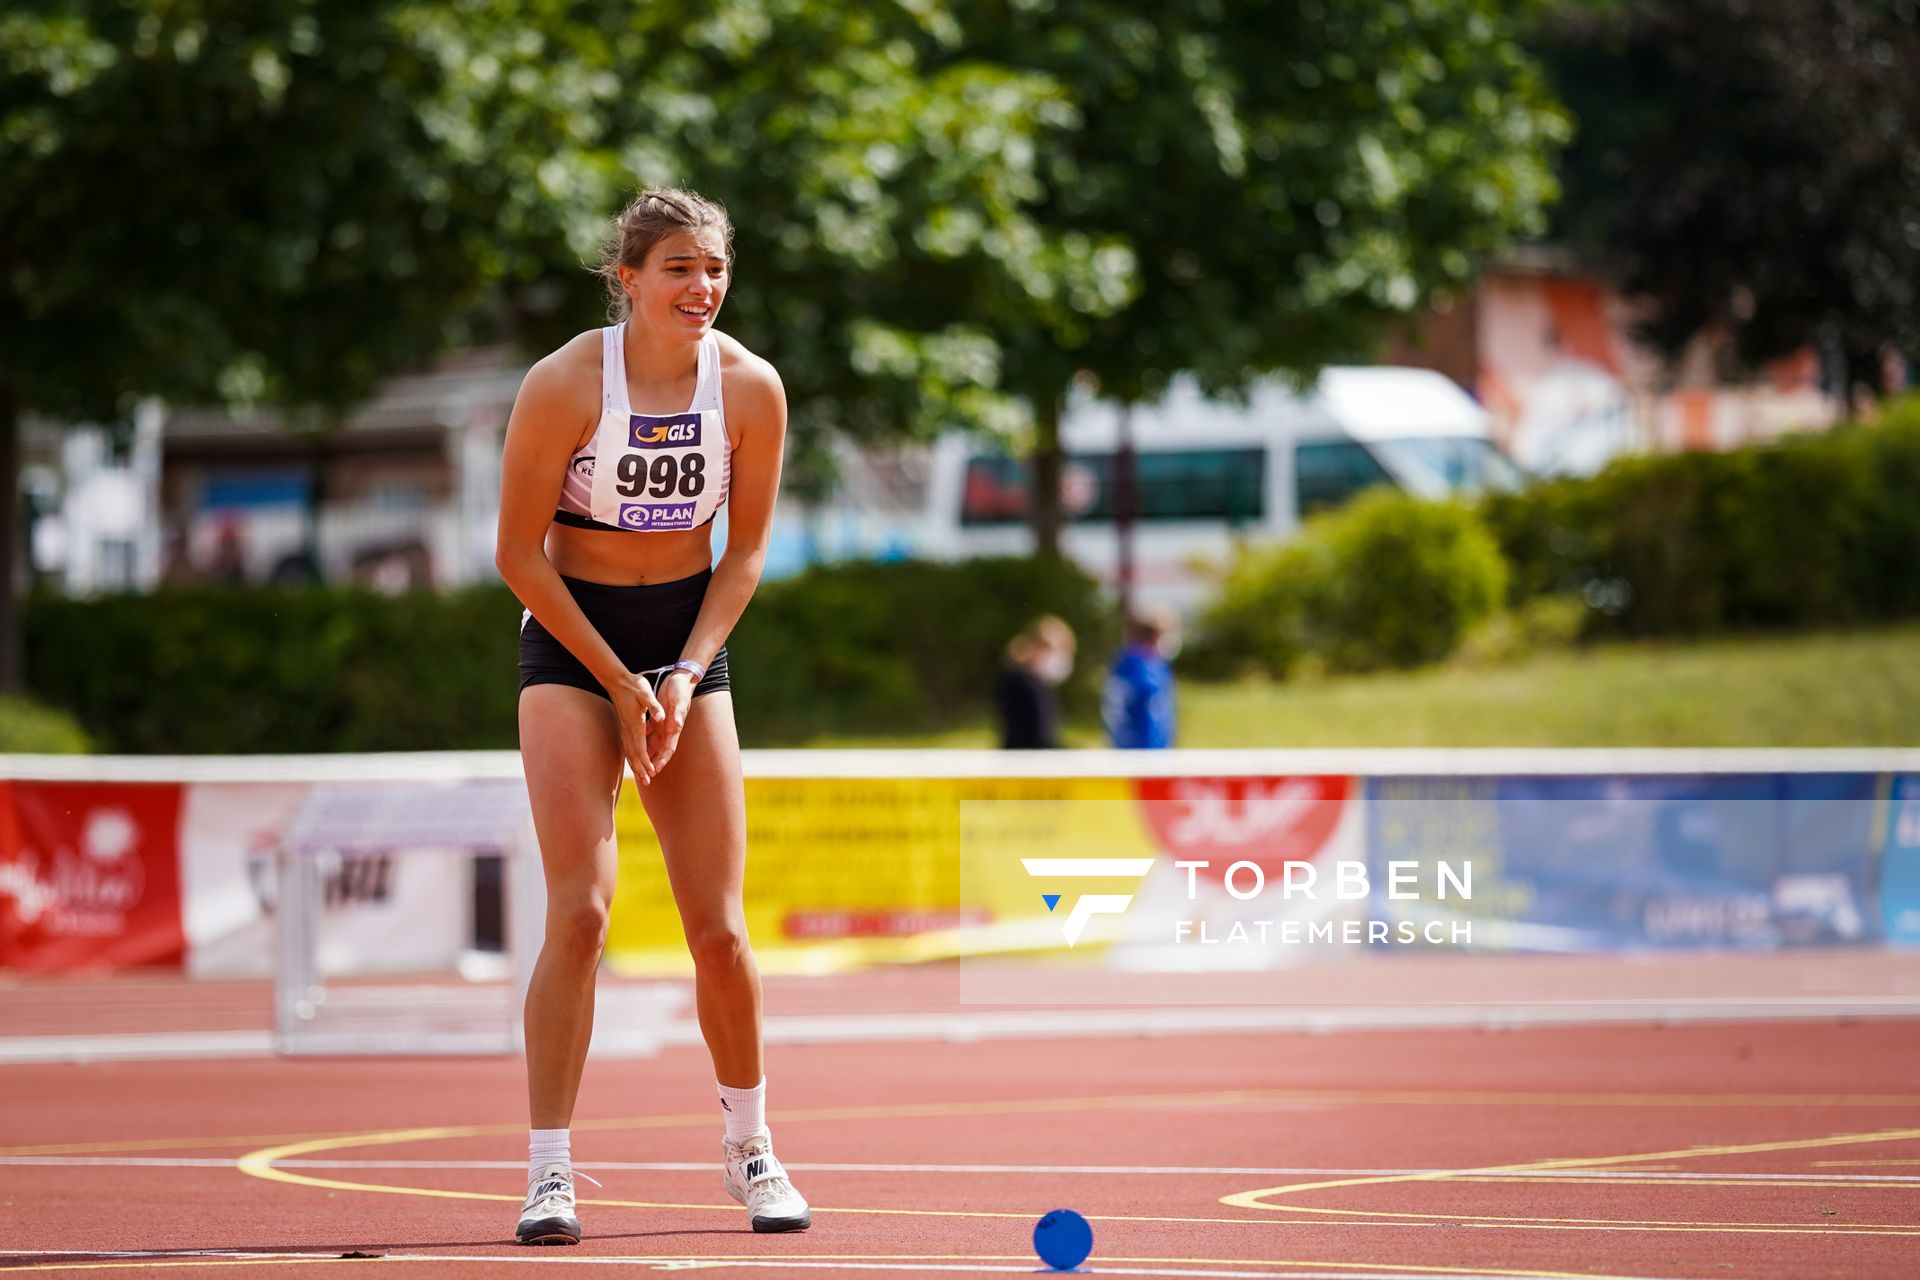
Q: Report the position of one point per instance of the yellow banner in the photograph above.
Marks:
(849, 871)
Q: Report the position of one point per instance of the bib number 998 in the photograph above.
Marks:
(663, 477)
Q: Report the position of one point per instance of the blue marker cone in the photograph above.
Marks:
(1063, 1239)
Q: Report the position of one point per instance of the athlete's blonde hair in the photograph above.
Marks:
(655, 214)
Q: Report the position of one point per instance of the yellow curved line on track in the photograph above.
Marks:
(1654, 1180)
(1261, 1199)
(262, 1164)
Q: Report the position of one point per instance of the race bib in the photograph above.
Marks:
(658, 472)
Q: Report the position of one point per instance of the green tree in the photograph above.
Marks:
(288, 199)
(204, 200)
(882, 181)
(1289, 177)
(1750, 168)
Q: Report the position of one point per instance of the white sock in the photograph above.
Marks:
(546, 1147)
(745, 1109)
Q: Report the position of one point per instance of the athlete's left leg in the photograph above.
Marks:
(697, 805)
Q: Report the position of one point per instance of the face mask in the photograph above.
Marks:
(1053, 666)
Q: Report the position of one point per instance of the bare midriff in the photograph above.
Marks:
(618, 558)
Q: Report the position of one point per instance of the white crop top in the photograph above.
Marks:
(665, 471)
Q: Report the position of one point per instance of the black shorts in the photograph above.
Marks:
(646, 627)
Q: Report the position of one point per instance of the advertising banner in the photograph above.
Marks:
(1900, 861)
(89, 875)
(1590, 863)
(1244, 867)
(380, 913)
(855, 870)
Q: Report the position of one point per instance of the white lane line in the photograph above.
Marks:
(903, 1263)
(151, 1046)
(969, 1026)
(707, 1166)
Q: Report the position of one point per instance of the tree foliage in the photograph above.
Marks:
(1288, 176)
(206, 199)
(946, 208)
(882, 194)
(289, 199)
(1750, 167)
(238, 199)
(935, 200)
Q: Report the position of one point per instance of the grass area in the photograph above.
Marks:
(1852, 689)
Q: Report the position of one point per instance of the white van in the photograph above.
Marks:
(1210, 473)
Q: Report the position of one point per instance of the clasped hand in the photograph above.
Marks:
(651, 720)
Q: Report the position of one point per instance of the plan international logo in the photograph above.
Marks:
(656, 515)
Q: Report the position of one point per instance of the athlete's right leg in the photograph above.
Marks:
(570, 749)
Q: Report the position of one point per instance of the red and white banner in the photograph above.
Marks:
(89, 875)
(117, 875)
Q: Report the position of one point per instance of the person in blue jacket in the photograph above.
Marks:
(1137, 704)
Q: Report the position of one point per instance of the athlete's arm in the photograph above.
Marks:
(756, 409)
(558, 405)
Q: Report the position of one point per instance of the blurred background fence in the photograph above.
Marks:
(863, 858)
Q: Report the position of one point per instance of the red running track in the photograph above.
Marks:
(1786, 1149)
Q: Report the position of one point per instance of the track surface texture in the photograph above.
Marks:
(1762, 1147)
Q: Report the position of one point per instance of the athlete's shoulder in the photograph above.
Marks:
(566, 381)
(751, 380)
(579, 354)
(570, 371)
(742, 365)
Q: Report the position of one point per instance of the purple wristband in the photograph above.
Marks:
(689, 666)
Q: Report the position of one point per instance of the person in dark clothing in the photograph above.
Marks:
(1038, 661)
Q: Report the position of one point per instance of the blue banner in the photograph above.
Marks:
(1900, 862)
(1599, 863)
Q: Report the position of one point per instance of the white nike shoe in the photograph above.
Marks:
(755, 1178)
(548, 1216)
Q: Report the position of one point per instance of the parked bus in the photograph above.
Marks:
(1208, 474)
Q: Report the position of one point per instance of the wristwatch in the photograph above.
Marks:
(689, 666)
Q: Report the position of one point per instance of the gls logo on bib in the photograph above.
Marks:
(682, 431)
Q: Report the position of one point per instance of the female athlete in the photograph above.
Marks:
(622, 447)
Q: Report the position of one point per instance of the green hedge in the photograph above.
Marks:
(27, 727)
(1386, 581)
(903, 646)
(1814, 531)
(218, 670)
(858, 647)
